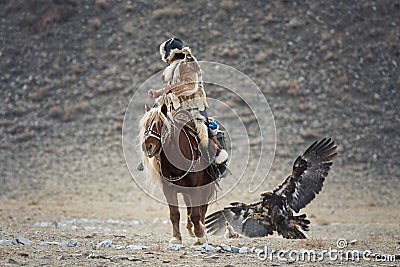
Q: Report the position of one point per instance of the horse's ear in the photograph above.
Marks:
(146, 108)
(164, 109)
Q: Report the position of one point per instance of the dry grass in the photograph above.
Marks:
(228, 5)
(55, 111)
(167, 12)
(313, 243)
(324, 222)
(68, 112)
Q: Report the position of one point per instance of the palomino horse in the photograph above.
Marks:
(171, 156)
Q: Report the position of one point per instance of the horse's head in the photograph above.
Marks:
(156, 124)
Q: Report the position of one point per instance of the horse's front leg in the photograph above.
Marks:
(199, 229)
(174, 216)
(189, 224)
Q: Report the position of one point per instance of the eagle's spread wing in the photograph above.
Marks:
(239, 216)
(308, 175)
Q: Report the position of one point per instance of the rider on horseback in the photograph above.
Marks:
(184, 89)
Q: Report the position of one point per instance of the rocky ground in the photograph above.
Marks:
(68, 70)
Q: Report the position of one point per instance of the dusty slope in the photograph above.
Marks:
(69, 70)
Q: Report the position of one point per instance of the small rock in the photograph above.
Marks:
(21, 240)
(105, 244)
(226, 247)
(49, 243)
(235, 249)
(175, 247)
(218, 249)
(139, 247)
(208, 248)
(73, 243)
(5, 242)
(352, 242)
(244, 250)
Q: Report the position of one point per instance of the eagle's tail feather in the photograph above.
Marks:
(291, 233)
(292, 229)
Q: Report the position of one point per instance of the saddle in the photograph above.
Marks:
(184, 119)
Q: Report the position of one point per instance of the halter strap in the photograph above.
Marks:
(149, 132)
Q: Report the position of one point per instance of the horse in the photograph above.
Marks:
(172, 157)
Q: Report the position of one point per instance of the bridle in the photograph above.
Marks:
(149, 132)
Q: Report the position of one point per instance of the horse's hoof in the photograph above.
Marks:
(175, 241)
(200, 241)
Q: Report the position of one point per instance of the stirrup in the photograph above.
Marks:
(223, 170)
(219, 171)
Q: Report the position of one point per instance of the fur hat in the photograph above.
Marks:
(171, 47)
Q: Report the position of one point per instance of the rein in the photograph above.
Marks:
(149, 132)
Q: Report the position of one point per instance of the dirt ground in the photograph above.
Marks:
(68, 70)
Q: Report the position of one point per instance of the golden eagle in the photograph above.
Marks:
(274, 212)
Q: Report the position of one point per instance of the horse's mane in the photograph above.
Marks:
(151, 168)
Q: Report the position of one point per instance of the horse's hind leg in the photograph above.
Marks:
(189, 224)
